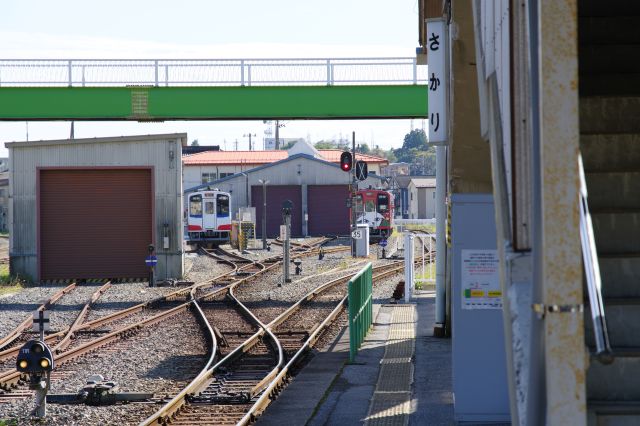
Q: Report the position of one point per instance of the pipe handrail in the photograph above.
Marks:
(603, 353)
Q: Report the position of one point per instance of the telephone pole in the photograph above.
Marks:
(249, 135)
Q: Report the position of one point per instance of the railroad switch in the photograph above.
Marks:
(227, 398)
(298, 264)
(320, 254)
(99, 391)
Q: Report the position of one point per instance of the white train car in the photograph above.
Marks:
(208, 215)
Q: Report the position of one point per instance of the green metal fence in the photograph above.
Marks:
(360, 308)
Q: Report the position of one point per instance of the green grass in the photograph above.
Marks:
(430, 227)
(8, 422)
(9, 284)
(429, 272)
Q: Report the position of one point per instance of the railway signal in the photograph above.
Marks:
(36, 359)
(346, 161)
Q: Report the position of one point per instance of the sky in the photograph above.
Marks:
(210, 29)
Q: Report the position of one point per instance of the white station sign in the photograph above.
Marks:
(438, 81)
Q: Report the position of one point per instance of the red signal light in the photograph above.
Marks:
(346, 161)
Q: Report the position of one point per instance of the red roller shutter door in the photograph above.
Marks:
(276, 194)
(328, 212)
(94, 223)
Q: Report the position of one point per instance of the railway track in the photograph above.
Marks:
(239, 387)
(237, 346)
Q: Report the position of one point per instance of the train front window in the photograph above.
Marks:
(223, 205)
(208, 207)
(195, 206)
(370, 206)
(383, 203)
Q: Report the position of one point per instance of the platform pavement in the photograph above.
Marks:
(329, 391)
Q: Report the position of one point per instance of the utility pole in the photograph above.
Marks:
(277, 134)
(249, 135)
(236, 144)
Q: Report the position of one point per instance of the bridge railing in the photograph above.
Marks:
(211, 72)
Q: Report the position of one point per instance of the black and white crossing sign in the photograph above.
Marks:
(41, 321)
(356, 234)
(362, 170)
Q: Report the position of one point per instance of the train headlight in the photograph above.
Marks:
(23, 364)
(44, 363)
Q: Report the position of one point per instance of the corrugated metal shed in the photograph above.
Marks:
(160, 153)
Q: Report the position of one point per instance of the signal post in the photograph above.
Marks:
(359, 172)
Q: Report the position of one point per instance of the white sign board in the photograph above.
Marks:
(480, 280)
(40, 319)
(283, 232)
(438, 81)
(356, 235)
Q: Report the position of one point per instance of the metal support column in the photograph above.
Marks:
(409, 273)
(441, 248)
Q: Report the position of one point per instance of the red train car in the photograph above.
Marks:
(375, 207)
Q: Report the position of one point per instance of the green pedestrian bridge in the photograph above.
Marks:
(234, 89)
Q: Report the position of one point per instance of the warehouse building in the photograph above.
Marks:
(90, 208)
(318, 189)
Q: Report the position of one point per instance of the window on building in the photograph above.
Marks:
(412, 196)
(223, 175)
(209, 177)
(434, 195)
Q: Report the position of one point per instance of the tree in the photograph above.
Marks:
(326, 145)
(415, 139)
(363, 148)
(416, 152)
(195, 142)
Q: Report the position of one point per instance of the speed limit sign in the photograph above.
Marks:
(357, 234)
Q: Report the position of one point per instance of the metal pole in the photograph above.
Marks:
(264, 214)
(287, 246)
(408, 266)
(441, 215)
(277, 135)
(354, 191)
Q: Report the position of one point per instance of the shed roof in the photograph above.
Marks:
(135, 138)
(424, 182)
(263, 157)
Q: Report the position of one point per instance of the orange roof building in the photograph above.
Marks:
(209, 166)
